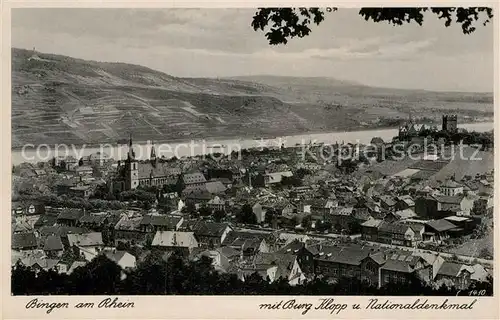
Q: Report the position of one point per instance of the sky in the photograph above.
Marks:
(221, 43)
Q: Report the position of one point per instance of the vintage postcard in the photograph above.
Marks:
(249, 160)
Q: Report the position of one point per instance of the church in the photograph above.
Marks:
(132, 173)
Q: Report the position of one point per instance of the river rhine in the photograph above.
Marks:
(33, 154)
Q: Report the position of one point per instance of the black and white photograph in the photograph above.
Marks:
(267, 151)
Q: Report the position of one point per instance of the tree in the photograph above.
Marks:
(307, 222)
(175, 275)
(291, 181)
(219, 215)
(189, 208)
(96, 171)
(165, 205)
(179, 186)
(271, 215)
(323, 226)
(325, 193)
(138, 195)
(205, 211)
(283, 24)
(302, 172)
(99, 276)
(479, 208)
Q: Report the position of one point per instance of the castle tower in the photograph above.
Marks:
(131, 168)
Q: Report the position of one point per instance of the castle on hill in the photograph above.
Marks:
(413, 129)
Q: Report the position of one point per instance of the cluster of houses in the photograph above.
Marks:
(432, 216)
(72, 238)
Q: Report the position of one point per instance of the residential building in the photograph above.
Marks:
(305, 256)
(122, 258)
(151, 223)
(369, 229)
(287, 267)
(53, 246)
(70, 217)
(178, 241)
(83, 191)
(403, 268)
(208, 234)
(276, 177)
(217, 204)
(438, 230)
(334, 262)
(455, 275)
(404, 202)
(27, 208)
(129, 230)
(400, 234)
(249, 243)
(87, 245)
(98, 158)
(24, 241)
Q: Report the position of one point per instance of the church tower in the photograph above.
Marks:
(131, 168)
(152, 157)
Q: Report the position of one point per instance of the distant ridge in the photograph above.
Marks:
(334, 82)
(297, 80)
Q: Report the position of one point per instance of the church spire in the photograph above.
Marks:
(153, 153)
(152, 157)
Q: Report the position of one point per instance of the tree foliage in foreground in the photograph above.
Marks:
(283, 24)
(155, 276)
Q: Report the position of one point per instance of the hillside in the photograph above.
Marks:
(59, 99)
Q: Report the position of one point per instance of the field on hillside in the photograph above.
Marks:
(478, 246)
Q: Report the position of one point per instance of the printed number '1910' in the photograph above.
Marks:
(474, 293)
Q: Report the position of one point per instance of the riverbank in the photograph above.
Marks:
(189, 148)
